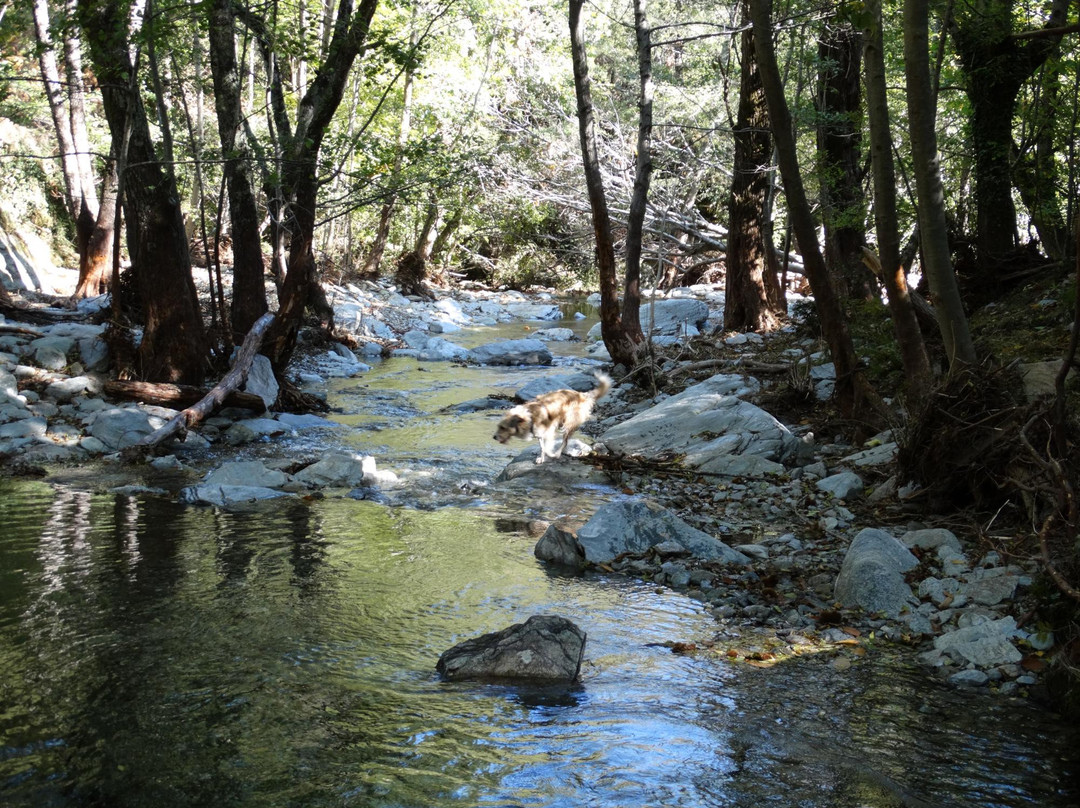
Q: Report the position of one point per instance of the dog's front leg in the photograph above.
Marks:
(545, 438)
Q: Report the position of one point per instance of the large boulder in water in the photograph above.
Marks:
(545, 649)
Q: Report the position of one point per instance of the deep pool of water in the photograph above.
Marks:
(154, 654)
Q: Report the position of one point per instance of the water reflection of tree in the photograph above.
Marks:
(240, 539)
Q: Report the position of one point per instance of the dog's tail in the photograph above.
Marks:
(601, 389)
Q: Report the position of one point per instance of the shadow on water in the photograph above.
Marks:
(161, 655)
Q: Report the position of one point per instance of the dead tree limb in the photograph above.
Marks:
(232, 380)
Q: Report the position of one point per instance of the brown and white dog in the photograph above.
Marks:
(549, 413)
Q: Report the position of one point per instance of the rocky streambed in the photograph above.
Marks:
(767, 525)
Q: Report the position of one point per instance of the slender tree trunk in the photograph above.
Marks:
(753, 301)
(622, 347)
(839, 145)
(173, 348)
(905, 323)
(853, 394)
(425, 241)
(77, 111)
(442, 240)
(249, 290)
(300, 179)
(639, 199)
(382, 232)
(933, 229)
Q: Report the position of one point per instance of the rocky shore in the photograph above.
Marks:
(792, 543)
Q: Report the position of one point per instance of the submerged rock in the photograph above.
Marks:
(545, 648)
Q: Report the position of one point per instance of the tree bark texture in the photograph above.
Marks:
(754, 300)
(619, 343)
(933, 229)
(249, 290)
(839, 141)
(905, 322)
(174, 346)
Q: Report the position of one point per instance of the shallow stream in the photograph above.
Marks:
(154, 654)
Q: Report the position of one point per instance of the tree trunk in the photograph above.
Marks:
(54, 93)
(1036, 171)
(639, 199)
(299, 177)
(753, 300)
(382, 232)
(249, 290)
(905, 322)
(95, 268)
(853, 394)
(425, 241)
(937, 264)
(839, 106)
(619, 343)
(173, 348)
(995, 66)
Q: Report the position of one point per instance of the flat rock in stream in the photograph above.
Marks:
(545, 648)
(635, 525)
(563, 471)
(512, 352)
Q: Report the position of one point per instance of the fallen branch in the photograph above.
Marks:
(236, 376)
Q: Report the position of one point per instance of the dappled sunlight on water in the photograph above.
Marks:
(162, 655)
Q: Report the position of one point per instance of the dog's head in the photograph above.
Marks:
(515, 424)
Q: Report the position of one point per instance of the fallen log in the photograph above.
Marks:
(177, 396)
(236, 376)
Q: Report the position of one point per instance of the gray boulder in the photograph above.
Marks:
(711, 426)
(634, 525)
(247, 473)
(512, 352)
(119, 428)
(872, 574)
(560, 547)
(64, 390)
(438, 349)
(672, 317)
(545, 649)
(555, 334)
(983, 644)
(337, 469)
(261, 382)
(931, 539)
(845, 485)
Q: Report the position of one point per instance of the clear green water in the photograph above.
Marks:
(153, 654)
